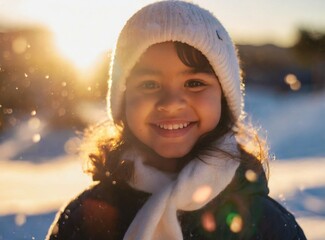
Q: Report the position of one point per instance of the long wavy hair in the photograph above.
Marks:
(104, 143)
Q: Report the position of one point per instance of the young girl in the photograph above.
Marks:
(176, 159)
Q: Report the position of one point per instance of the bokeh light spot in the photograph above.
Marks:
(251, 175)
(36, 138)
(19, 45)
(20, 219)
(208, 222)
(8, 111)
(235, 222)
(72, 145)
(34, 123)
(12, 121)
(201, 194)
(292, 81)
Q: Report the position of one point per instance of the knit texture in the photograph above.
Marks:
(175, 21)
(197, 184)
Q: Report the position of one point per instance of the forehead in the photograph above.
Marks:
(172, 57)
(158, 53)
(159, 58)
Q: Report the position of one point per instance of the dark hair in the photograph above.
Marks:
(111, 140)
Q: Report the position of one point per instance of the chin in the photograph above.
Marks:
(177, 153)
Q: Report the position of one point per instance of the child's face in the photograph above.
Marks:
(169, 106)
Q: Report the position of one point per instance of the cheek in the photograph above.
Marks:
(132, 107)
(137, 110)
(131, 100)
(210, 110)
(139, 102)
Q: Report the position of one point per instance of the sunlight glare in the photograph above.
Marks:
(78, 48)
(83, 30)
(86, 31)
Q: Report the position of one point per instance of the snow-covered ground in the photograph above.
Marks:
(39, 171)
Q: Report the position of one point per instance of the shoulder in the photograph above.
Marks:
(100, 212)
(246, 205)
(254, 217)
(275, 221)
(86, 212)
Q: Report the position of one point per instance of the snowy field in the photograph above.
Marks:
(39, 171)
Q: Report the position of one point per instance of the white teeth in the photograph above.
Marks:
(172, 126)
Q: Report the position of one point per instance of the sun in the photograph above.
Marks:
(83, 30)
(79, 47)
(81, 41)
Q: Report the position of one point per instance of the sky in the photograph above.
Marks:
(78, 24)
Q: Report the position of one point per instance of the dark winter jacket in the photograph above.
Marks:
(242, 211)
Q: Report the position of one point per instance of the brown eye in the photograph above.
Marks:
(149, 85)
(194, 83)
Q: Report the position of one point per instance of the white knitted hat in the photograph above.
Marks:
(175, 21)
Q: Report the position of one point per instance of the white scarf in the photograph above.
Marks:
(196, 185)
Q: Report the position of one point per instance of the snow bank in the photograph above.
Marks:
(29, 188)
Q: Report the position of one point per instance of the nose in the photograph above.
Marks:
(171, 101)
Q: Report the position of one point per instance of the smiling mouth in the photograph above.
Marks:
(174, 126)
(173, 129)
